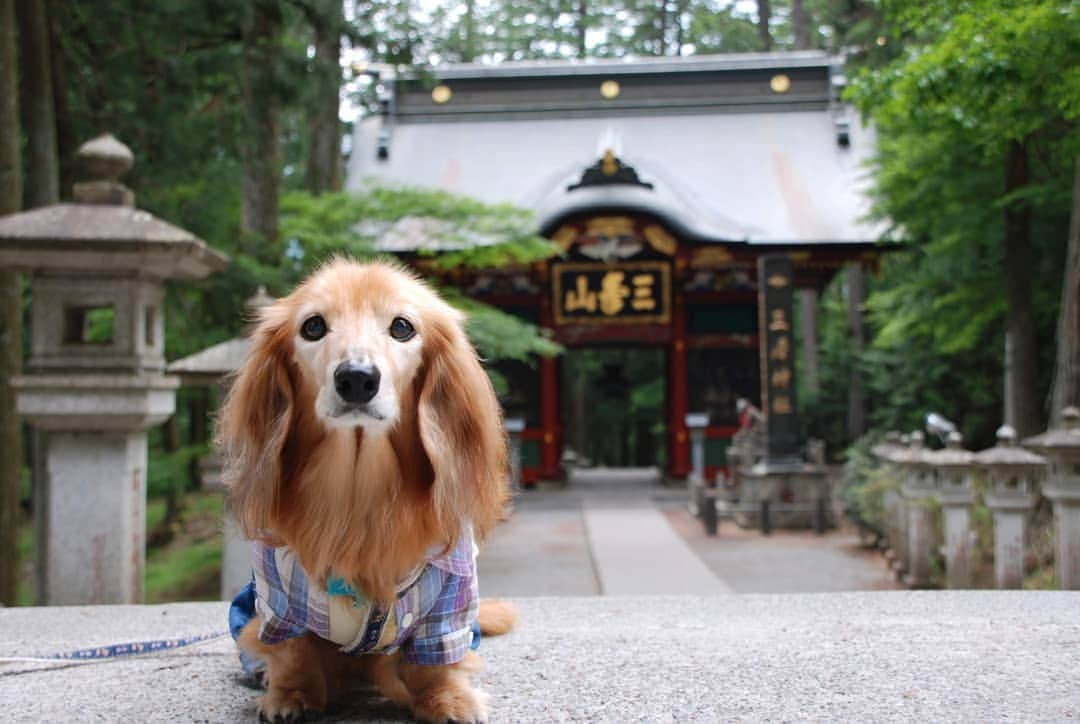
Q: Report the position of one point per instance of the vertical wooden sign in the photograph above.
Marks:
(777, 346)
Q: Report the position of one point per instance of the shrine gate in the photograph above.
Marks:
(664, 182)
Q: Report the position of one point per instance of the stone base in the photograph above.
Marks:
(94, 510)
(793, 490)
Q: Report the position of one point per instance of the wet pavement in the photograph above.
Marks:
(620, 532)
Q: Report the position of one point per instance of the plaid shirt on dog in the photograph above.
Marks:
(432, 621)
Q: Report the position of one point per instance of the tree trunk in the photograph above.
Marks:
(680, 29)
(468, 53)
(1022, 402)
(800, 24)
(764, 12)
(661, 30)
(856, 282)
(1067, 370)
(324, 127)
(10, 312)
(42, 186)
(582, 30)
(199, 409)
(260, 151)
(66, 143)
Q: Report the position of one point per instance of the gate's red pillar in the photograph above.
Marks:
(678, 402)
(549, 404)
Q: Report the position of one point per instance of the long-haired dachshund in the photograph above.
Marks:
(364, 455)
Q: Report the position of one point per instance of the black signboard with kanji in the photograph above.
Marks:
(616, 293)
(776, 332)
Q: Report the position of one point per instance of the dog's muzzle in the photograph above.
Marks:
(356, 383)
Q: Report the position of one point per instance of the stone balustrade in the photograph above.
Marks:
(1014, 479)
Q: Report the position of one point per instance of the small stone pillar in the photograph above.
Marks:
(1011, 471)
(696, 422)
(956, 495)
(889, 452)
(918, 487)
(95, 385)
(213, 367)
(1061, 446)
(514, 426)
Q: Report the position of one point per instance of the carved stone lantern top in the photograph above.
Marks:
(212, 365)
(1008, 457)
(953, 457)
(888, 447)
(1011, 469)
(97, 269)
(911, 455)
(102, 231)
(1062, 443)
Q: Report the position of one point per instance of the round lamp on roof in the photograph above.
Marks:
(441, 94)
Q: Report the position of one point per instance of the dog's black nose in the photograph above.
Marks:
(356, 383)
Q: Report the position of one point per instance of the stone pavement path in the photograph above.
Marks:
(618, 532)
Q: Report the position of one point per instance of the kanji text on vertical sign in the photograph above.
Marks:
(775, 322)
(626, 293)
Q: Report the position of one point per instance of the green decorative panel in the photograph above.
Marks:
(716, 451)
(530, 453)
(722, 319)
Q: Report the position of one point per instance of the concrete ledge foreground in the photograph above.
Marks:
(904, 656)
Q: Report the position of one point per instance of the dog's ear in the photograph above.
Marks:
(461, 430)
(254, 425)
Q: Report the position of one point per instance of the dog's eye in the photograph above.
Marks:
(401, 329)
(313, 328)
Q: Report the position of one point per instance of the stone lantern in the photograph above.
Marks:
(918, 487)
(1061, 446)
(956, 494)
(213, 367)
(1012, 472)
(95, 385)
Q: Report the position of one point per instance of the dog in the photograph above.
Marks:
(364, 455)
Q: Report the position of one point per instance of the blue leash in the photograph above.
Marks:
(113, 651)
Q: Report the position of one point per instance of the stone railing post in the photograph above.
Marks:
(1061, 446)
(1011, 472)
(917, 489)
(956, 495)
(95, 385)
(696, 422)
(514, 426)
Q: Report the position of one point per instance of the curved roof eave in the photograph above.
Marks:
(677, 216)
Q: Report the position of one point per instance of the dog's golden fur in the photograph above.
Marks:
(367, 502)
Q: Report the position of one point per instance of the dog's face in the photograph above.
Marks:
(358, 341)
(371, 349)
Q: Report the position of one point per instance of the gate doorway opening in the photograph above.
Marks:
(614, 403)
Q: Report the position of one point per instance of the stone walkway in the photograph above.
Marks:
(618, 532)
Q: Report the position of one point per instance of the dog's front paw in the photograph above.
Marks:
(278, 706)
(459, 704)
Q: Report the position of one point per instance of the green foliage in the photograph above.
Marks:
(173, 473)
(487, 235)
(865, 483)
(318, 227)
(972, 76)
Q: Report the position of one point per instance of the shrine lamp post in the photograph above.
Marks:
(956, 495)
(917, 488)
(95, 385)
(1012, 472)
(1061, 446)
